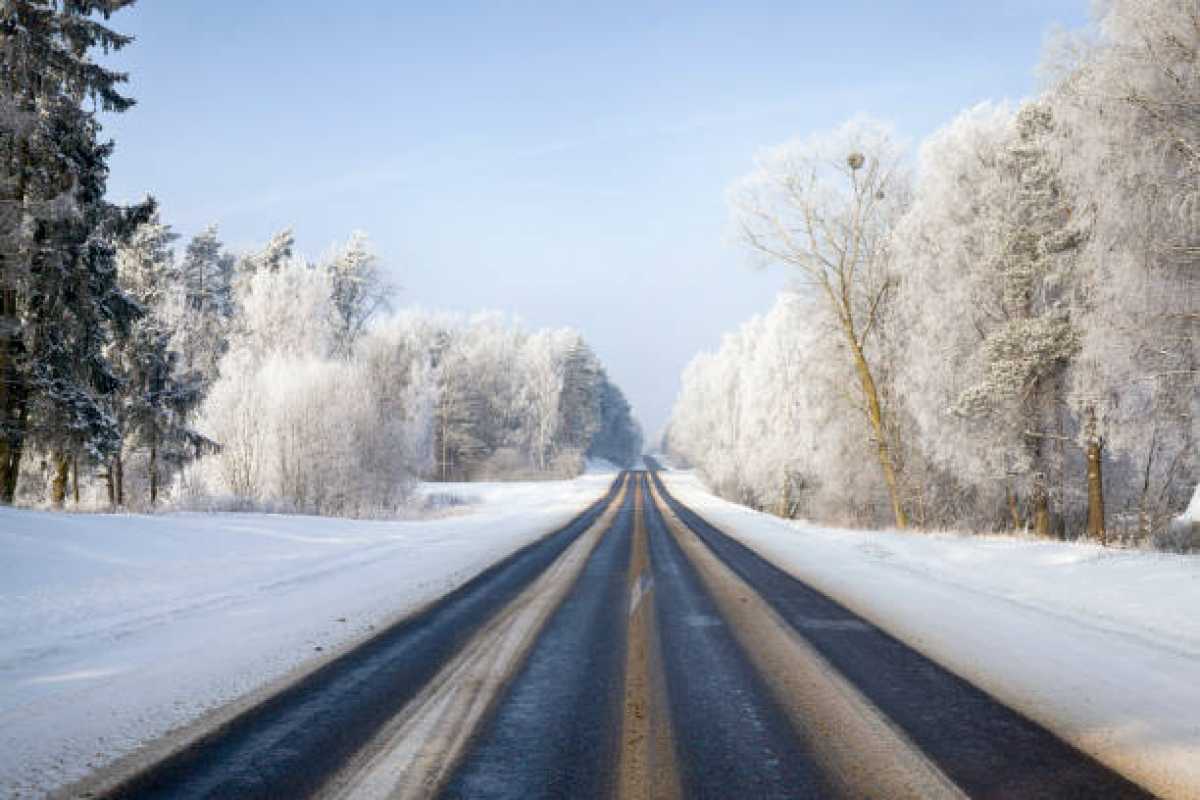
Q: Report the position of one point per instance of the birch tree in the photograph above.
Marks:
(825, 207)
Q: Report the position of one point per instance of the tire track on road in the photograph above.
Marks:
(859, 751)
(733, 738)
(291, 741)
(987, 749)
(419, 749)
(553, 730)
(647, 767)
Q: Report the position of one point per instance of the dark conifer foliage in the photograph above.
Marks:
(61, 300)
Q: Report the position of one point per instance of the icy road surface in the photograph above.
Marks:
(115, 629)
(637, 652)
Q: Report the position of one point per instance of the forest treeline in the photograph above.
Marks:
(130, 367)
(1008, 338)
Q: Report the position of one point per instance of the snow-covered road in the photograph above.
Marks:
(1100, 646)
(117, 629)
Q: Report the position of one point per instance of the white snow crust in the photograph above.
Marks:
(116, 629)
(1101, 646)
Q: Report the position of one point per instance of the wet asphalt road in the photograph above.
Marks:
(984, 747)
(732, 737)
(555, 728)
(554, 731)
(291, 744)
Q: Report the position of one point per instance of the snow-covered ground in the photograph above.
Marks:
(117, 629)
(1101, 646)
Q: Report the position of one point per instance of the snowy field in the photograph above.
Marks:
(117, 629)
(1100, 646)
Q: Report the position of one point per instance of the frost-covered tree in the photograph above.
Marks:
(579, 408)
(544, 370)
(1132, 99)
(359, 290)
(825, 208)
(207, 273)
(396, 371)
(297, 428)
(285, 312)
(458, 410)
(1034, 312)
(302, 427)
(277, 254)
(156, 395)
(618, 438)
(491, 345)
(282, 319)
(59, 299)
(989, 240)
(764, 419)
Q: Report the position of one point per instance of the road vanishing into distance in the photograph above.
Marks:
(638, 652)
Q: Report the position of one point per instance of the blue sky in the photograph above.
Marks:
(566, 162)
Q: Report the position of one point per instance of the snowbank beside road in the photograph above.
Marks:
(117, 629)
(1100, 646)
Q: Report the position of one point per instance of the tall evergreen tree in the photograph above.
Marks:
(619, 439)
(579, 408)
(207, 276)
(59, 298)
(1027, 337)
(157, 393)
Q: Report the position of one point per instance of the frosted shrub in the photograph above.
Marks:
(305, 435)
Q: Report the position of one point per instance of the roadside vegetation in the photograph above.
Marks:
(132, 373)
(1006, 337)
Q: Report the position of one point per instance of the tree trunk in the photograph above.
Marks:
(10, 465)
(1014, 510)
(879, 429)
(153, 473)
(1041, 506)
(1095, 479)
(922, 507)
(1095, 483)
(785, 497)
(12, 390)
(445, 451)
(119, 473)
(111, 485)
(19, 421)
(1042, 515)
(58, 482)
(75, 477)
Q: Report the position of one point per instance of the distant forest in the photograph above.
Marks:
(131, 373)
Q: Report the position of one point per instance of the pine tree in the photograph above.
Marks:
(157, 394)
(1031, 339)
(207, 275)
(618, 439)
(579, 408)
(59, 298)
(457, 412)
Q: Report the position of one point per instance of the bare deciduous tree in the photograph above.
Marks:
(825, 207)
